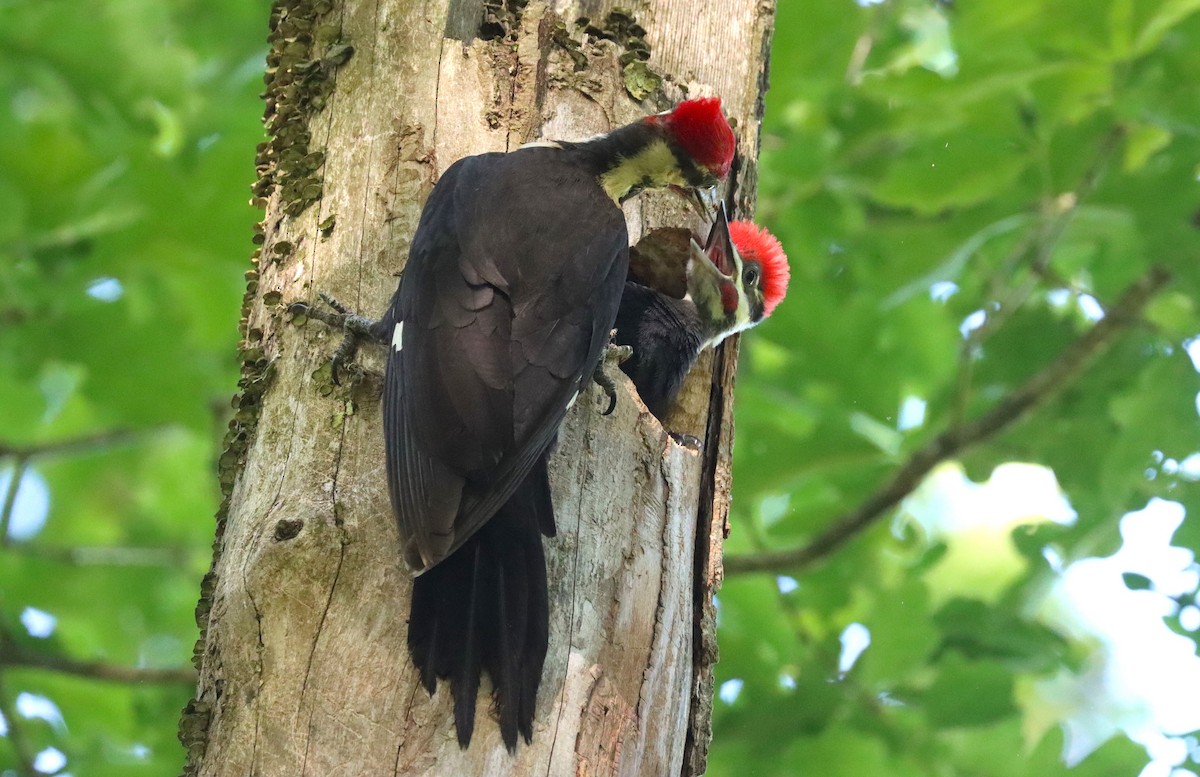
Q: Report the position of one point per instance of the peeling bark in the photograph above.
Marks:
(304, 669)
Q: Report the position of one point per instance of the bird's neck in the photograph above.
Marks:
(652, 167)
(679, 313)
(713, 321)
(632, 158)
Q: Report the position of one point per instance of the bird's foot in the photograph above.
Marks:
(357, 329)
(613, 356)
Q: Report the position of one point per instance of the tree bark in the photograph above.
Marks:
(304, 669)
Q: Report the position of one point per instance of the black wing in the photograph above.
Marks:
(512, 285)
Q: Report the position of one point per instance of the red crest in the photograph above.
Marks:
(755, 243)
(702, 130)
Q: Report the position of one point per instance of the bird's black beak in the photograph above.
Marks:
(704, 202)
(719, 246)
(712, 274)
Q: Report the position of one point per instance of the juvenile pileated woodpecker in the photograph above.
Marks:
(502, 316)
(731, 284)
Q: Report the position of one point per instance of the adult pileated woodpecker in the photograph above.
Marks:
(502, 316)
(707, 294)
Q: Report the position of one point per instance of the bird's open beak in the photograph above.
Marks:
(716, 255)
(719, 246)
(712, 274)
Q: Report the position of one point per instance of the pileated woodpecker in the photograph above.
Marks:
(707, 294)
(502, 316)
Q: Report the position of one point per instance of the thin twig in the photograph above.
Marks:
(1037, 248)
(94, 556)
(85, 444)
(16, 734)
(1036, 391)
(858, 58)
(15, 656)
(10, 496)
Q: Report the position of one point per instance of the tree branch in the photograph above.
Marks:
(95, 670)
(1037, 248)
(1016, 405)
(87, 443)
(13, 654)
(100, 555)
(10, 496)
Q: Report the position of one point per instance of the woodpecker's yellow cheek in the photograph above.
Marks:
(652, 167)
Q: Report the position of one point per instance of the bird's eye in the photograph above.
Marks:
(751, 275)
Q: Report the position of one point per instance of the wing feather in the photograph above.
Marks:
(513, 281)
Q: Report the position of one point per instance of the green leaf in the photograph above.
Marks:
(966, 693)
(1174, 314)
(1143, 142)
(902, 636)
(1136, 582)
(1168, 15)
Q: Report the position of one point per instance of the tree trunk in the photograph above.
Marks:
(304, 669)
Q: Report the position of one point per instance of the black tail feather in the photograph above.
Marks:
(485, 609)
(465, 684)
(537, 640)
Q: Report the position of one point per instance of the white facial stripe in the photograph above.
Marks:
(742, 315)
(397, 336)
(740, 320)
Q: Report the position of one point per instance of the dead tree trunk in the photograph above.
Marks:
(304, 669)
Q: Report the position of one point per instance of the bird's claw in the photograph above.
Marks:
(613, 354)
(617, 354)
(345, 353)
(607, 385)
(335, 319)
(332, 302)
(356, 329)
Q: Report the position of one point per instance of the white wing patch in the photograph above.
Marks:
(397, 337)
(571, 403)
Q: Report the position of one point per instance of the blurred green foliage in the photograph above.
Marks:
(922, 162)
(128, 146)
(1029, 155)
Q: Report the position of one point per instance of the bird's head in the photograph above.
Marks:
(702, 138)
(737, 277)
(703, 145)
(688, 149)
